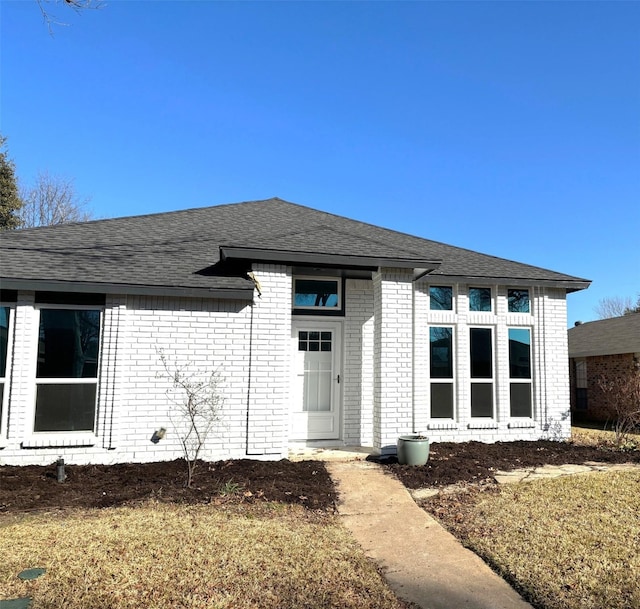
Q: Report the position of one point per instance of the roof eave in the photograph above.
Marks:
(127, 289)
(320, 259)
(570, 285)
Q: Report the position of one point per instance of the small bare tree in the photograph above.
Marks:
(623, 395)
(198, 408)
(52, 200)
(616, 306)
(77, 5)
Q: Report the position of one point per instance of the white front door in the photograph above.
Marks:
(315, 405)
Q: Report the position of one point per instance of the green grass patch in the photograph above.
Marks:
(162, 555)
(566, 543)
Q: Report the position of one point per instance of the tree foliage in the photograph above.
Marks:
(52, 200)
(616, 306)
(10, 201)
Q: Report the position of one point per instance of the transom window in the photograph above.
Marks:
(441, 372)
(520, 372)
(440, 298)
(480, 299)
(518, 301)
(67, 370)
(317, 294)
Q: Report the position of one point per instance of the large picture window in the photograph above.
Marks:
(441, 372)
(481, 361)
(67, 370)
(520, 372)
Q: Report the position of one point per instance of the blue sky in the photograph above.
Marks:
(510, 128)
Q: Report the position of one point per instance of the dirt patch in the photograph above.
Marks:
(307, 483)
(30, 488)
(473, 462)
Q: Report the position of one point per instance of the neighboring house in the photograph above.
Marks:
(325, 331)
(607, 350)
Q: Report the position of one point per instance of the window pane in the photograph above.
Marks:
(1, 401)
(521, 400)
(480, 299)
(519, 353)
(518, 301)
(65, 407)
(440, 298)
(481, 353)
(4, 338)
(68, 344)
(440, 340)
(482, 399)
(442, 400)
(315, 293)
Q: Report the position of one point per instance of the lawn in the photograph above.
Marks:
(564, 543)
(160, 555)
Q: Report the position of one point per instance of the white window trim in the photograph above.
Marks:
(492, 421)
(450, 422)
(522, 421)
(44, 439)
(6, 379)
(492, 290)
(522, 288)
(338, 281)
(454, 295)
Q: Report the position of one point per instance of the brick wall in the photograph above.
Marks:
(600, 404)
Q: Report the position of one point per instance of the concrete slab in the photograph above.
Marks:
(422, 562)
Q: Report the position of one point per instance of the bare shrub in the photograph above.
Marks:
(198, 403)
(623, 396)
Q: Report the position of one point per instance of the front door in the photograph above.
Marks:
(315, 407)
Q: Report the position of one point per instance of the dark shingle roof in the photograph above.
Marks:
(606, 337)
(181, 250)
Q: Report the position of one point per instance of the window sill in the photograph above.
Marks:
(528, 424)
(483, 425)
(61, 440)
(445, 425)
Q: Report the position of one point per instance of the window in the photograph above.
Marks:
(520, 372)
(441, 372)
(481, 360)
(518, 301)
(5, 314)
(440, 298)
(479, 299)
(311, 293)
(67, 370)
(582, 384)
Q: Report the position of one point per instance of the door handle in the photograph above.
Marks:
(338, 379)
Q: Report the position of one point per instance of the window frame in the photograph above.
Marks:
(37, 381)
(431, 299)
(443, 380)
(479, 380)
(314, 310)
(492, 304)
(5, 378)
(529, 303)
(521, 380)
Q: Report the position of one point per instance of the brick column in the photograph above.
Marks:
(393, 358)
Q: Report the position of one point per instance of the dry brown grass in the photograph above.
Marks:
(160, 556)
(567, 543)
(597, 436)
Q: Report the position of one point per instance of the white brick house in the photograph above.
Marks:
(325, 331)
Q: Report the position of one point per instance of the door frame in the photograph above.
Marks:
(314, 322)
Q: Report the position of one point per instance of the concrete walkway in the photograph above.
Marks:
(422, 562)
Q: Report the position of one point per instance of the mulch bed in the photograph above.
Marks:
(32, 488)
(473, 462)
(306, 483)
